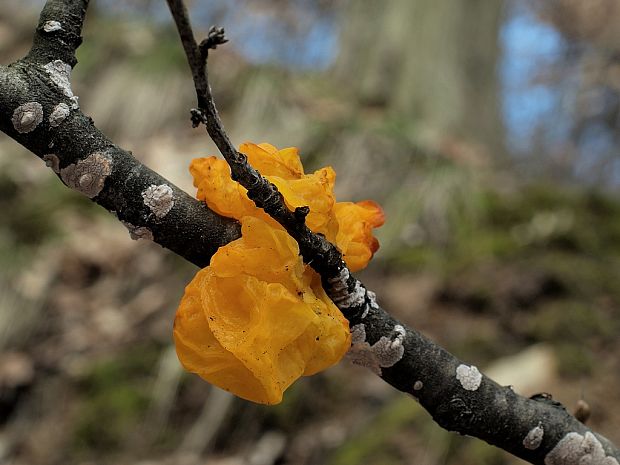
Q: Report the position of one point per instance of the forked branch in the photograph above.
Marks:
(457, 395)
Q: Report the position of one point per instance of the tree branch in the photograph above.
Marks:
(38, 109)
(58, 34)
(315, 249)
(457, 395)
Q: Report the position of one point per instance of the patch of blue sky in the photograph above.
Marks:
(598, 143)
(529, 46)
(315, 49)
(259, 35)
(263, 38)
(523, 112)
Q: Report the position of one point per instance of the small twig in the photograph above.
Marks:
(317, 251)
(214, 38)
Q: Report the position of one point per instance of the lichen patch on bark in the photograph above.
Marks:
(60, 112)
(60, 74)
(386, 352)
(159, 199)
(575, 449)
(138, 232)
(88, 175)
(52, 26)
(345, 298)
(469, 377)
(27, 117)
(534, 437)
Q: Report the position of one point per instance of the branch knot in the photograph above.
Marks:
(215, 37)
(301, 213)
(197, 116)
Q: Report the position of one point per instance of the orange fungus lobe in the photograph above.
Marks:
(257, 318)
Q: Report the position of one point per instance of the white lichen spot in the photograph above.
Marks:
(52, 26)
(60, 74)
(339, 283)
(60, 112)
(418, 385)
(362, 355)
(469, 376)
(373, 300)
(389, 350)
(27, 117)
(160, 199)
(575, 449)
(386, 352)
(358, 334)
(534, 437)
(138, 232)
(343, 297)
(88, 175)
(52, 161)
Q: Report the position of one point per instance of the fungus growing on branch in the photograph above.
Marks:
(348, 225)
(257, 318)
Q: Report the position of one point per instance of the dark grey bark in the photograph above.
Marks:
(54, 129)
(38, 109)
(538, 430)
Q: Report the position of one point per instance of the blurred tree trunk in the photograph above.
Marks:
(431, 62)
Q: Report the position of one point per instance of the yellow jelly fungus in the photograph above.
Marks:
(257, 318)
(347, 225)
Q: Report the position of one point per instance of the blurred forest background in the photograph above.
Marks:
(488, 130)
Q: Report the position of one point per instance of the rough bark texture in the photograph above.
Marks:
(459, 398)
(66, 139)
(38, 109)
